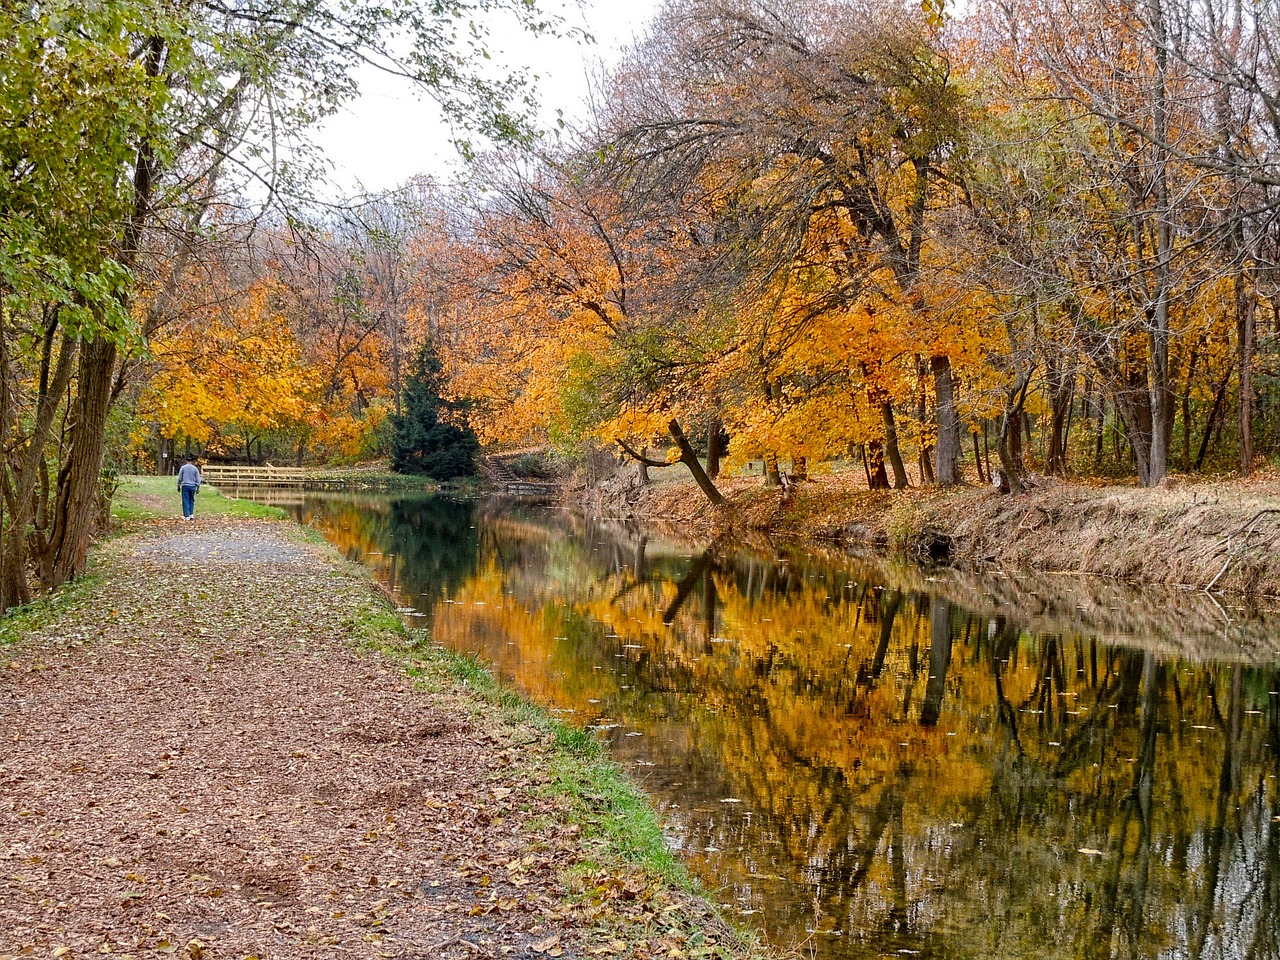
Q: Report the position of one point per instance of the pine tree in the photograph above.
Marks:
(424, 443)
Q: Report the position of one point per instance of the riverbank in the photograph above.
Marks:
(223, 743)
(1222, 535)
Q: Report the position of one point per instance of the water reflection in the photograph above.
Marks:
(859, 759)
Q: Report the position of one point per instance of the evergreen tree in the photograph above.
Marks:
(423, 443)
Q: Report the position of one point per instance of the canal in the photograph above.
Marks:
(875, 760)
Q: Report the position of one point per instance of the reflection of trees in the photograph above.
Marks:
(436, 542)
(422, 545)
(1200, 916)
(1263, 816)
(699, 575)
(1109, 719)
(939, 661)
(911, 774)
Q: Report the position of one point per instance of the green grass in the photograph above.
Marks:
(19, 622)
(143, 498)
(606, 805)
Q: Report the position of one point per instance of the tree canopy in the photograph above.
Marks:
(431, 436)
(944, 245)
(135, 137)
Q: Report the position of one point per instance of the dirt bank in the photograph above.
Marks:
(1223, 534)
(212, 750)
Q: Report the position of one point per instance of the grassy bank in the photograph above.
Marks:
(142, 498)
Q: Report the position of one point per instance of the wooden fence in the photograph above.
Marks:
(255, 476)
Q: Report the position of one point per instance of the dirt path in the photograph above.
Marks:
(195, 763)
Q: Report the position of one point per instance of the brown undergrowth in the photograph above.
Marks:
(1222, 534)
(212, 749)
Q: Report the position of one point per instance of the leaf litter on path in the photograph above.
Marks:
(197, 764)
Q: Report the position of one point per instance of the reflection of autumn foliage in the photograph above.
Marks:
(893, 759)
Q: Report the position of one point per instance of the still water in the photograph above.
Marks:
(875, 761)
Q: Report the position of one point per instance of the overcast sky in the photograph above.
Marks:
(390, 135)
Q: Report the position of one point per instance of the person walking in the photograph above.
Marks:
(189, 481)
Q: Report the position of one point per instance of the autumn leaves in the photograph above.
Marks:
(837, 228)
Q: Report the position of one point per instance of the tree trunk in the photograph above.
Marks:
(924, 455)
(714, 448)
(1186, 405)
(948, 447)
(1009, 442)
(1161, 386)
(924, 464)
(1133, 400)
(1061, 380)
(772, 473)
(1009, 450)
(690, 459)
(79, 503)
(1245, 334)
(877, 478)
(891, 449)
(986, 448)
(1215, 413)
(1100, 438)
(30, 470)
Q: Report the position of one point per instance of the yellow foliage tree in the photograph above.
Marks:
(227, 377)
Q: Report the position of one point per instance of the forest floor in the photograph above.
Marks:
(1221, 533)
(222, 743)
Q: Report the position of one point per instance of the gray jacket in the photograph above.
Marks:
(189, 476)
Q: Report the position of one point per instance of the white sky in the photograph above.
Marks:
(390, 134)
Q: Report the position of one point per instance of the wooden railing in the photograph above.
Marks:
(263, 476)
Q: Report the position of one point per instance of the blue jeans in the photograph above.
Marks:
(188, 500)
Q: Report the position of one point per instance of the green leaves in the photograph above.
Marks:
(73, 106)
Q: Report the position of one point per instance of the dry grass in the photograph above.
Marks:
(1223, 532)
